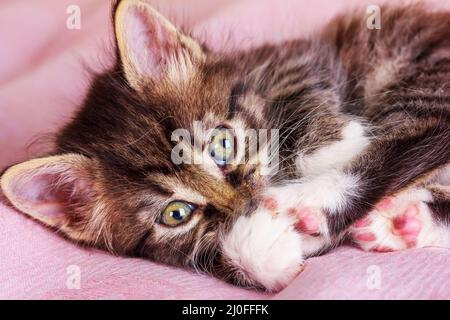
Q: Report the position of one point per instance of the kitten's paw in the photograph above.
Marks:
(308, 220)
(397, 223)
(264, 248)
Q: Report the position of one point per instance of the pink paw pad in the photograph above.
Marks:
(365, 236)
(362, 235)
(385, 204)
(307, 222)
(408, 225)
(364, 222)
(270, 203)
(382, 249)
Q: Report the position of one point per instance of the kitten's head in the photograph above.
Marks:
(116, 181)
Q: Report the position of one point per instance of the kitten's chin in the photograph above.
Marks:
(264, 250)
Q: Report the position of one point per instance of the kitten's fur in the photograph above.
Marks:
(363, 114)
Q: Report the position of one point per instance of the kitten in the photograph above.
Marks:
(364, 147)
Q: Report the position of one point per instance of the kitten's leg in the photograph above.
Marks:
(404, 102)
(415, 218)
(389, 165)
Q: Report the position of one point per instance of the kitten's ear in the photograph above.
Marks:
(151, 48)
(57, 191)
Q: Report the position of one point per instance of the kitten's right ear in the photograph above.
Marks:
(151, 48)
(57, 191)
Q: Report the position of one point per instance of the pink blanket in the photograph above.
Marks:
(41, 84)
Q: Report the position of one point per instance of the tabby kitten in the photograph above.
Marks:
(364, 147)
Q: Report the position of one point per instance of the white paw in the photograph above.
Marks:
(269, 246)
(265, 249)
(309, 221)
(398, 223)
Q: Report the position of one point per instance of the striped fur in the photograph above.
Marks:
(370, 108)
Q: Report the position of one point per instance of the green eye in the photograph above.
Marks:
(221, 147)
(176, 213)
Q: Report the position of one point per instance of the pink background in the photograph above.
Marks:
(41, 84)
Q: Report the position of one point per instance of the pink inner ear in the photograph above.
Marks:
(149, 43)
(41, 194)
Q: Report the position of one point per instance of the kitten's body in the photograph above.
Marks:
(363, 115)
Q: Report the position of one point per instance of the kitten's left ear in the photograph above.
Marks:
(151, 48)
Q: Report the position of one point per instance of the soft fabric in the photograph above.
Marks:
(42, 82)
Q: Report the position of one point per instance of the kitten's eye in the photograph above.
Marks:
(176, 213)
(221, 147)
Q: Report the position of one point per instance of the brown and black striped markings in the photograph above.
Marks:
(400, 86)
